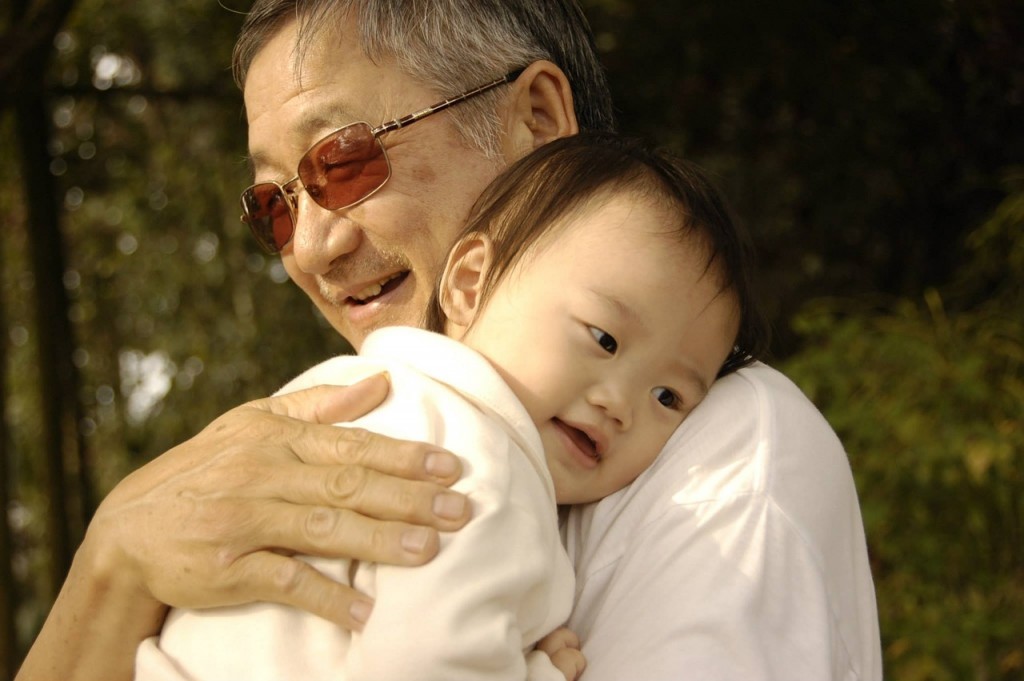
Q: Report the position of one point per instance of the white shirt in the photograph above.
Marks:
(474, 612)
(739, 554)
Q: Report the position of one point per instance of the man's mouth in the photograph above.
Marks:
(378, 289)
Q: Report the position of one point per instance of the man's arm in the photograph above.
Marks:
(498, 584)
(215, 521)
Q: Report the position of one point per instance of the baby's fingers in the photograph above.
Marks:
(563, 647)
(570, 662)
(562, 637)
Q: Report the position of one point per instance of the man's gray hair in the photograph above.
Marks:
(451, 46)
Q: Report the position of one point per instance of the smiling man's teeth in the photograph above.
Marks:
(372, 290)
(368, 292)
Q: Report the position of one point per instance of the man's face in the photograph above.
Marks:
(373, 264)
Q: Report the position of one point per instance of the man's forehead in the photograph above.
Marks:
(300, 117)
(293, 99)
(310, 41)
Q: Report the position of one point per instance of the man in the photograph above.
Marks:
(740, 554)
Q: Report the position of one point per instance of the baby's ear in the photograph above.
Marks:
(463, 281)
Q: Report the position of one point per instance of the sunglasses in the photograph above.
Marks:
(342, 169)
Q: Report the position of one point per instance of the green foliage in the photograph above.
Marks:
(177, 315)
(929, 402)
(863, 142)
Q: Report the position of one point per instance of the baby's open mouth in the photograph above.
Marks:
(585, 443)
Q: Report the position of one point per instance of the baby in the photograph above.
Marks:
(596, 292)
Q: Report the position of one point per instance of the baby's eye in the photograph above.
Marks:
(667, 398)
(604, 339)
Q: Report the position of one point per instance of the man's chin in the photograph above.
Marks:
(335, 316)
(352, 334)
(355, 322)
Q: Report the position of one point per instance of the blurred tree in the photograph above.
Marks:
(863, 142)
(8, 587)
(27, 33)
(860, 140)
(28, 37)
(128, 102)
(933, 419)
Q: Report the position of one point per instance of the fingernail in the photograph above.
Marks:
(360, 611)
(449, 506)
(414, 540)
(441, 464)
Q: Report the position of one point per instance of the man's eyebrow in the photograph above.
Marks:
(323, 119)
(320, 119)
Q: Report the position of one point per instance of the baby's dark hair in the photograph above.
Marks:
(565, 176)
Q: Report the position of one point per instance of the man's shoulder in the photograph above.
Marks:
(759, 393)
(751, 423)
(756, 438)
(750, 508)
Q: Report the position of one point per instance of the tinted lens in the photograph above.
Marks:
(345, 167)
(269, 215)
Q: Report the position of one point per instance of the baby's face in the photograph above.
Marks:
(610, 333)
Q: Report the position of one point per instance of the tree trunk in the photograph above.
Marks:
(9, 653)
(24, 80)
(52, 325)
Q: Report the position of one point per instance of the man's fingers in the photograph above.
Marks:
(341, 533)
(214, 521)
(316, 442)
(268, 576)
(329, 403)
(326, 445)
(373, 494)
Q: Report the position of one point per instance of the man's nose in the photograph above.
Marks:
(322, 236)
(611, 398)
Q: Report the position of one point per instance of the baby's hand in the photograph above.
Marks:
(563, 647)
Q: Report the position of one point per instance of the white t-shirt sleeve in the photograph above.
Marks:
(497, 585)
(739, 555)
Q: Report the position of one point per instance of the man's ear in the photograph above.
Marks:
(539, 109)
(463, 280)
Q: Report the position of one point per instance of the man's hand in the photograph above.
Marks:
(563, 647)
(216, 520)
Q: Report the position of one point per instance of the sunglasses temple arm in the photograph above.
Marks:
(441, 106)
